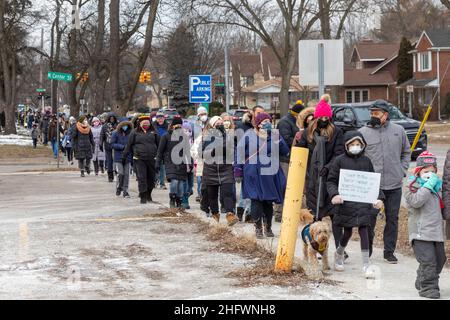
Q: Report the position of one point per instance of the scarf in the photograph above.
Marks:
(83, 129)
(318, 159)
(413, 181)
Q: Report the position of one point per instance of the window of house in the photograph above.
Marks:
(353, 96)
(425, 61)
(359, 65)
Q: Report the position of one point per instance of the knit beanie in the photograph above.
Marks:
(323, 109)
(297, 108)
(202, 110)
(261, 117)
(177, 121)
(424, 160)
(213, 120)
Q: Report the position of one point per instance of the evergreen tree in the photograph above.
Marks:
(405, 61)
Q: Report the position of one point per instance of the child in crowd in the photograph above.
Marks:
(352, 214)
(34, 135)
(425, 224)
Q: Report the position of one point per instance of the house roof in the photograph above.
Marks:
(419, 83)
(271, 65)
(439, 38)
(364, 77)
(276, 83)
(369, 50)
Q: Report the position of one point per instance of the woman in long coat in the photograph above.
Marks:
(263, 181)
(83, 145)
(98, 157)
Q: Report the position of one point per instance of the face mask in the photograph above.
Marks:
(125, 128)
(204, 118)
(267, 126)
(227, 124)
(322, 124)
(355, 150)
(96, 123)
(375, 122)
(220, 127)
(426, 176)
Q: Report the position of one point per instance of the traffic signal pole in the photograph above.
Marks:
(227, 77)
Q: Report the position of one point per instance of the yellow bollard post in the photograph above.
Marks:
(291, 209)
(419, 133)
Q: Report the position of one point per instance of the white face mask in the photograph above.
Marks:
(426, 176)
(204, 118)
(355, 150)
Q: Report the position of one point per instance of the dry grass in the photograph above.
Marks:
(52, 170)
(24, 152)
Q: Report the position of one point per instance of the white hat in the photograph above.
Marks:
(213, 120)
(202, 110)
(72, 120)
(95, 119)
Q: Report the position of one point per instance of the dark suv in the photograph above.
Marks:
(352, 116)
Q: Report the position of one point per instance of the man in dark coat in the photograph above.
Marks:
(105, 143)
(44, 127)
(161, 127)
(288, 129)
(119, 140)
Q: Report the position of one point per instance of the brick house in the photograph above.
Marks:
(371, 73)
(256, 80)
(431, 73)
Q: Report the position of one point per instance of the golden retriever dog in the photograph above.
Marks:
(315, 236)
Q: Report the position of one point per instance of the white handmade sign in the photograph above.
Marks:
(359, 186)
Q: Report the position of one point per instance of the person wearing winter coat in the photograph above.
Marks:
(161, 127)
(262, 181)
(325, 142)
(218, 171)
(83, 145)
(105, 143)
(389, 150)
(67, 140)
(34, 135)
(425, 224)
(288, 129)
(446, 195)
(119, 141)
(143, 143)
(44, 128)
(98, 156)
(189, 185)
(53, 135)
(172, 151)
(351, 214)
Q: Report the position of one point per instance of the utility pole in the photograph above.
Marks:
(321, 70)
(227, 82)
(41, 69)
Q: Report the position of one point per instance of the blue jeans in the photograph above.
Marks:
(188, 187)
(162, 174)
(177, 187)
(55, 147)
(199, 186)
(244, 203)
(109, 161)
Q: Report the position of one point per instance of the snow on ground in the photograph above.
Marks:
(22, 138)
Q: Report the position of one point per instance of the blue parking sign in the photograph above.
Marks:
(200, 89)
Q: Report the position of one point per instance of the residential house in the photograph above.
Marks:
(371, 73)
(256, 80)
(431, 75)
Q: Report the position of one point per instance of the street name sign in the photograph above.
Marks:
(59, 76)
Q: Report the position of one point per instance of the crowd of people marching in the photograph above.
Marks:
(248, 184)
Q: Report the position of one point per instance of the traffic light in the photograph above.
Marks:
(141, 78)
(84, 78)
(219, 90)
(145, 77)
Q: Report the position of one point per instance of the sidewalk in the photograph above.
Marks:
(393, 282)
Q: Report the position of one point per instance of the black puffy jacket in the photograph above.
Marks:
(288, 129)
(350, 214)
(144, 146)
(175, 168)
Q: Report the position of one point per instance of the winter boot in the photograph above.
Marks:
(178, 203)
(88, 170)
(173, 200)
(110, 176)
(232, 219)
(149, 196)
(126, 194)
(259, 229)
(338, 262)
(268, 231)
(248, 218)
(143, 196)
(216, 216)
(82, 173)
(118, 192)
(240, 213)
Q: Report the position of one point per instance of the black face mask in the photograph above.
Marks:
(322, 124)
(221, 128)
(375, 122)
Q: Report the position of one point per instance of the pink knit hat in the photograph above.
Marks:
(323, 109)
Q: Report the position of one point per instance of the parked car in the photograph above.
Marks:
(170, 114)
(352, 116)
(237, 114)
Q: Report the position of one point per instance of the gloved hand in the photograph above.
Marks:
(432, 181)
(337, 200)
(378, 205)
(238, 179)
